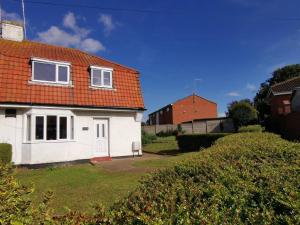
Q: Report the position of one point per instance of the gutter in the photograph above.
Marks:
(26, 106)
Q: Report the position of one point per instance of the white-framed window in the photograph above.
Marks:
(49, 128)
(50, 71)
(101, 77)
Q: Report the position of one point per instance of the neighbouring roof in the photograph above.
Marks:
(286, 87)
(15, 74)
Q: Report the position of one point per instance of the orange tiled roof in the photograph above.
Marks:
(15, 76)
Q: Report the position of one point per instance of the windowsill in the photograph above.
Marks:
(102, 88)
(50, 84)
(49, 141)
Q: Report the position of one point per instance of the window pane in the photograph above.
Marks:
(51, 127)
(103, 130)
(28, 128)
(63, 74)
(96, 77)
(43, 71)
(72, 127)
(63, 127)
(106, 78)
(39, 128)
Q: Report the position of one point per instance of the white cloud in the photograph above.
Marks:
(77, 38)
(251, 87)
(91, 45)
(70, 22)
(10, 16)
(55, 35)
(221, 114)
(233, 94)
(107, 22)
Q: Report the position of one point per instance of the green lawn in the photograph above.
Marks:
(163, 145)
(79, 186)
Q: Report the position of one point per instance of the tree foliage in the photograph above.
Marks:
(242, 113)
(278, 76)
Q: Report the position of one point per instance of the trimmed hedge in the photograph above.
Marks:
(251, 128)
(194, 142)
(5, 153)
(246, 178)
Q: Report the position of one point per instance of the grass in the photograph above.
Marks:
(79, 186)
(163, 146)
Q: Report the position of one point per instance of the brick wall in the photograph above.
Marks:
(193, 107)
(277, 105)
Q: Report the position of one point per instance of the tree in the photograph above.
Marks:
(279, 75)
(242, 113)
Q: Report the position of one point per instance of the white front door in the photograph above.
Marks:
(101, 137)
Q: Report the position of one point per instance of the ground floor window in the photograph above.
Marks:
(49, 127)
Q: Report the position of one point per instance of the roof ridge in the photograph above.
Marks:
(286, 81)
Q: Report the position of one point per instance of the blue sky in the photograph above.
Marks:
(221, 49)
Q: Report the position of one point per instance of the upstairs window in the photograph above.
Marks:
(50, 71)
(101, 77)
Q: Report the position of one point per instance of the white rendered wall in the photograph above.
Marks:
(124, 128)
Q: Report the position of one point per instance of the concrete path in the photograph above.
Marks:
(126, 164)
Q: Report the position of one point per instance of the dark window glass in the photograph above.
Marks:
(106, 78)
(63, 127)
(63, 74)
(39, 128)
(72, 127)
(10, 112)
(44, 72)
(51, 128)
(96, 77)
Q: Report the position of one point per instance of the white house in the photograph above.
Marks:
(60, 104)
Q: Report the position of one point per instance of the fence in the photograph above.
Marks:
(202, 126)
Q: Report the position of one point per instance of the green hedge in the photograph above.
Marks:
(5, 153)
(246, 178)
(194, 142)
(147, 138)
(251, 128)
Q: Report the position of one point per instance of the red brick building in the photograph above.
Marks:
(186, 109)
(280, 96)
(284, 101)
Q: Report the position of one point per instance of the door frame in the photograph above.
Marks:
(108, 132)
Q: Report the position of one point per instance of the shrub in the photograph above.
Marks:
(194, 142)
(147, 138)
(5, 153)
(251, 128)
(242, 113)
(167, 133)
(245, 178)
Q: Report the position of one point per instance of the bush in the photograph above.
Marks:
(245, 178)
(5, 153)
(251, 128)
(194, 142)
(147, 138)
(242, 113)
(167, 133)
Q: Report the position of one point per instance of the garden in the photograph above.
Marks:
(242, 178)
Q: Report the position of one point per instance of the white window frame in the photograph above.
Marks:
(57, 64)
(102, 69)
(44, 116)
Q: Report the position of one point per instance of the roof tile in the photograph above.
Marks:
(15, 76)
